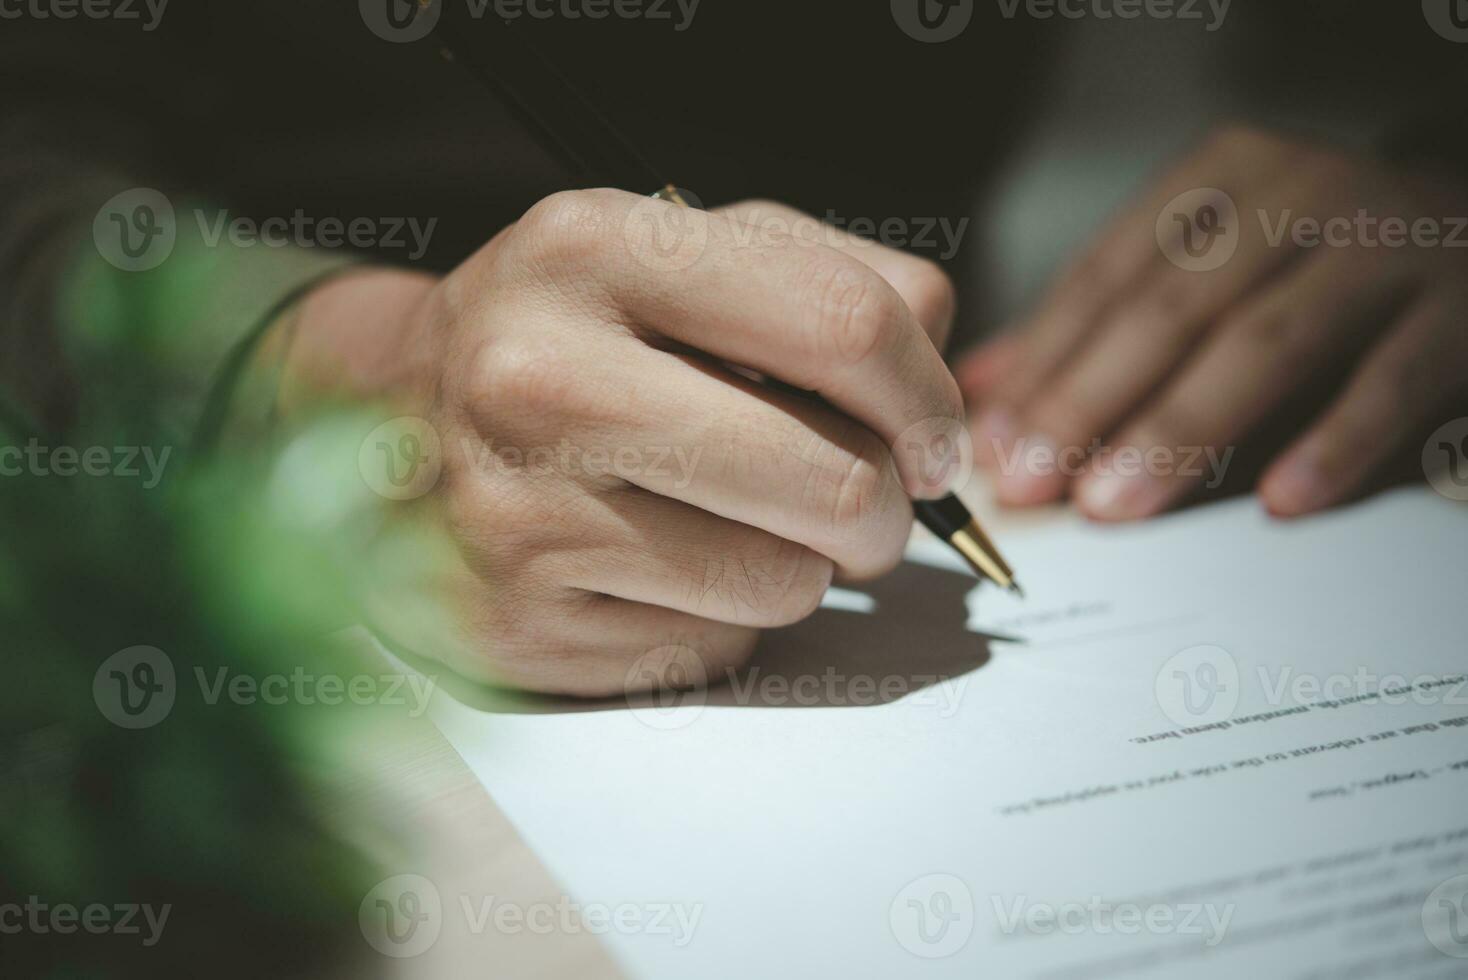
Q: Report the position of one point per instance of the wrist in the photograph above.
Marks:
(357, 337)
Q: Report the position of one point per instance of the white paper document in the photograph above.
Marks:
(1226, 746)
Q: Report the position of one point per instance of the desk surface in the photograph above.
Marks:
(441, 823)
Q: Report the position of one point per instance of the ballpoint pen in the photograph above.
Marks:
(581, 138)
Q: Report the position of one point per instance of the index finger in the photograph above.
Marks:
(795, 310)
(922, 283)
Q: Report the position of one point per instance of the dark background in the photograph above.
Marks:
(270, 106)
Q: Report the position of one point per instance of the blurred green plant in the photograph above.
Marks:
(214, 811)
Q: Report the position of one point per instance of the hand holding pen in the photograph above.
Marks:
(610, 487)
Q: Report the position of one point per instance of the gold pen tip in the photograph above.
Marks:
(1014, 587)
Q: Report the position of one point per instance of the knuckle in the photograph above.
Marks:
(566, 226)
(504, 632)
(462, 510)
(859, 499)
(498, 529)
(858, 495)
(780, 586)
(928, 290)
(849, 308)
(860, 492)
(520, 378)
(808, 585)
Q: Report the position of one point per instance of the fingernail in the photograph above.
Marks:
(1031, 475)
(1118, 497)
(1294, 486)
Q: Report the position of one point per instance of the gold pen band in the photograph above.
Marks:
(974, 544)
